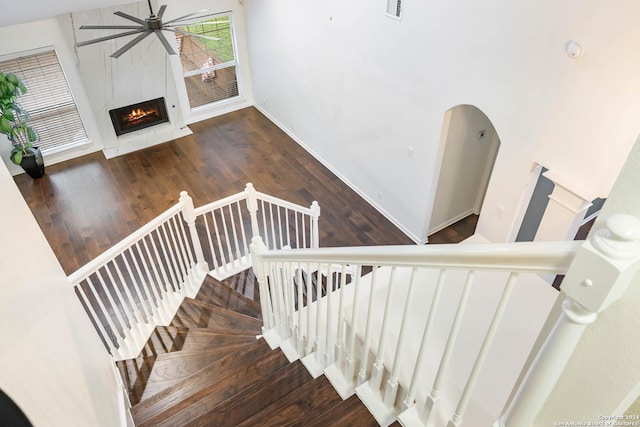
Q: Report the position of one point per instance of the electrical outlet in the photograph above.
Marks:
(379, 195)
(499, 211)
(410, 151)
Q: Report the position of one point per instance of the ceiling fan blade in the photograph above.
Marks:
(161, 11)
(186, 16)
(186, 33)
(102, 39)
(129, 45)
(165, 42)
(111, 27)
(130, 18)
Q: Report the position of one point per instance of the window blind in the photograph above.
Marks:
(49, 102)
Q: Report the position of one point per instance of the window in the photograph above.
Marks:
(209, 65)
(394, 8)
(52, 110)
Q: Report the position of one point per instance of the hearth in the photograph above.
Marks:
(139, 116)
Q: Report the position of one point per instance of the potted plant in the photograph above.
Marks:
(14, 122)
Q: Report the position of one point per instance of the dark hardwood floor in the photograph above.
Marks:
(88, 204)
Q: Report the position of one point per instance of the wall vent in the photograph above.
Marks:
(394, 8)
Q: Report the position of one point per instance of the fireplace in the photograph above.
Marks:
(139, 116)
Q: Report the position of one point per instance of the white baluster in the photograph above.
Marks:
(433, 397)
(146, 305)
(350, 360)
(169, 257)
(282, 243)
(126, 344)
(223, 259)
(163, 303)
(309, 283)
(327, 357)
(419, 366)
(257, 249)
(300, 333)
(378, 366)
(108, 339)
(391, 388)
(319, 337)
(339, 348)
(362, 375)
(243, 233)
(599, 275)
(456, 420)
(214, 258)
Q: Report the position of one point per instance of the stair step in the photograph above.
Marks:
(184, 393)
(266, 389)
(145, 376)
(215, 293)
(307, 402)
(350, 412)
(198, 314)
(167, 339)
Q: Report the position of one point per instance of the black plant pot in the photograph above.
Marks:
(32, 163)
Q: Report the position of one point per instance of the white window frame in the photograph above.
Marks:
(235, 63)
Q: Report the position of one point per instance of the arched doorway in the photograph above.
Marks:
(469, 146)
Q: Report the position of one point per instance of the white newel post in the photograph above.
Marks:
(598, 276)
(252, 207)
(189, 214)
(315, 214)
(257, 249)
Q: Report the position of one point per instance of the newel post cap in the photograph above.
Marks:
(605, 264)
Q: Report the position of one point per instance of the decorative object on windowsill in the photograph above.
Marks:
(144, 27)
(14, 122)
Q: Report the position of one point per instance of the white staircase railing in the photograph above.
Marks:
(224, 226)
(433, 334)
(140, 282)
(384, 334)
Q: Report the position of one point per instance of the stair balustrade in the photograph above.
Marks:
(140, 282)
(416, 330)
(225, 224)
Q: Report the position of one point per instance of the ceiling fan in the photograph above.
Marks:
(152, 24)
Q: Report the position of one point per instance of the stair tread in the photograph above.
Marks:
(167, 339)
(216, 293)
(182, 392)
(243, 394)
(194, 313)
(349, 412)
(307, 402)
(147, 375)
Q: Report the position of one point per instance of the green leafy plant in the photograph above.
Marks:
(14, 119)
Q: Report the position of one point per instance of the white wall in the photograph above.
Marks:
(356, 88)
(52, 363)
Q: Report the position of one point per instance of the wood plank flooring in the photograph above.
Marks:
(86, 205)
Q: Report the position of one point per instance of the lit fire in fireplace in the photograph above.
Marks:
(138, 114)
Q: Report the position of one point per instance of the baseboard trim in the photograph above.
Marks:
(342, 178)
(451, 221)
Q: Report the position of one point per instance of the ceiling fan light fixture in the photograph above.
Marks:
(152, 24)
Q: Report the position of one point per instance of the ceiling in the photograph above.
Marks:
(35, 10)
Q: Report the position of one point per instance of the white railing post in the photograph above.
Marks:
(190, 218)
(599, 275)
(252, 207)
(315, 214)
(257, 249)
